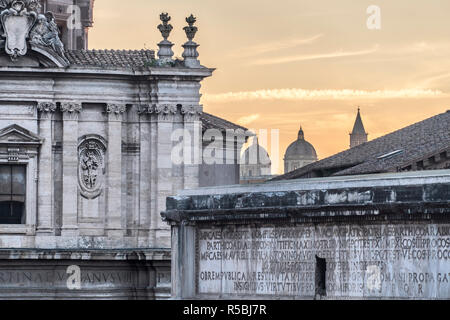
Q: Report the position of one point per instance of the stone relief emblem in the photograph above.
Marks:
(21, 24)
(91, 167)
(17, 18)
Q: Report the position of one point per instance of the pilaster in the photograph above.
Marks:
(163, 116)
(45, 214)
(114, 196)
(70, 111)
(192, 124)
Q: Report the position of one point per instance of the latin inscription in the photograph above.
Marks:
(13, 278)
(398, 260)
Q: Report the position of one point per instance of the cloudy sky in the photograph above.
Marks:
(282, 64)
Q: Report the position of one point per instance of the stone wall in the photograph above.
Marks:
(363, 237)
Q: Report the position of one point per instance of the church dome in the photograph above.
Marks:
(300, 149)
(255, 154)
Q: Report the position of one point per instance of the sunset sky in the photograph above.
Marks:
(282, 64)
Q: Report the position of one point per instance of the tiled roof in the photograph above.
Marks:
(130, 59)
(389, 153)
(212, 122)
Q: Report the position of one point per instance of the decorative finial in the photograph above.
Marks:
(190, 53)
(191, 30)
(165, 52)
(165, 28)
(301, 134)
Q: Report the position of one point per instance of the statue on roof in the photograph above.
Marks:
(46, 33)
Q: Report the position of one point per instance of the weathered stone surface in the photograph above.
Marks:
(362, 261)
(104, 274)
(368, 237)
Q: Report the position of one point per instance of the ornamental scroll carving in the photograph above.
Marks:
(91, 166)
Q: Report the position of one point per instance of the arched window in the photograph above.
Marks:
(12, 194)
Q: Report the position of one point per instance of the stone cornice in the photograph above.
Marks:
(163, 112)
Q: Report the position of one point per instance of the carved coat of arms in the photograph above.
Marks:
(17, 22)
(21, 26)
(91, 167)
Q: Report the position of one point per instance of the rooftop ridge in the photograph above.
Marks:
(353, 156)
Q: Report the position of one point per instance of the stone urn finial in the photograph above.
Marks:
(190, 53)
(191, 30)
(165, 28)
(165, 52)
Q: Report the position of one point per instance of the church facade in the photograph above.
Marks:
(86, 159)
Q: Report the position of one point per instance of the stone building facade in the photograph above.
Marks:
(86, 163)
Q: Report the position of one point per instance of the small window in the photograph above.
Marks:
(12, 194)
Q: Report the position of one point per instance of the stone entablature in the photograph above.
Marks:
(84, 274)
(383, 236)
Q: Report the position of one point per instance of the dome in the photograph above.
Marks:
(300, 149)
(255, 154)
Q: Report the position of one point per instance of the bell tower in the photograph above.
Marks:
(359, 134)
(74, 18)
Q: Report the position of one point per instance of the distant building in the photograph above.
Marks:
(422, 146)
(256, 166)
(299, 154)
(359, 134)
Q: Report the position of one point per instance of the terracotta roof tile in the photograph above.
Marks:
(129, 59)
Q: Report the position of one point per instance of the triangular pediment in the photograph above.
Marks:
(15, 134)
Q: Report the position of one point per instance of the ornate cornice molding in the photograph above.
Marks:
(116, 110)
(46, 109)
(165, 112)
(143, 109)
(71, 110)
(191, 113)
(46, 106)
